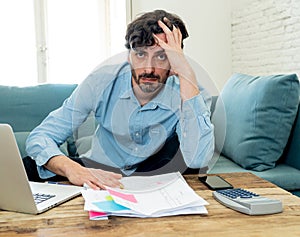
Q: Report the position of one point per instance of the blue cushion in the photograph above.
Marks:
(293, 148)
(260, 111)
(282, 175)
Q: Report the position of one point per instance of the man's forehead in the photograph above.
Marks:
(154, 47)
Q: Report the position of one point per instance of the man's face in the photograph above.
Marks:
(150, 67)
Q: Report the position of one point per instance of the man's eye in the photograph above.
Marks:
(162, 57)
(140, 54)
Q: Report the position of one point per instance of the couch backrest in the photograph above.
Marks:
(25, 107)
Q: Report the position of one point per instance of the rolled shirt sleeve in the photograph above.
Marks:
(44, 141)
(196, 132)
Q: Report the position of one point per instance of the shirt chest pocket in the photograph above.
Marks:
(150, 135)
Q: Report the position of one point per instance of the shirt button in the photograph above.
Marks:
(127, 167)
(137, 134)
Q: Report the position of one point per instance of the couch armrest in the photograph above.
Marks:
(25, 107)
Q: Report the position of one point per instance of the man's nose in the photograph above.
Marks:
(149, 65)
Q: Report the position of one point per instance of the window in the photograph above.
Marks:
(58, 41)
(17, 43)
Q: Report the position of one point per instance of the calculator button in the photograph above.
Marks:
(237, 192)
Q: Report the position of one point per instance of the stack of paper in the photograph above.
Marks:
(145, 196)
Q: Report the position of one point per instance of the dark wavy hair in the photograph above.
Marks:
(139, 32)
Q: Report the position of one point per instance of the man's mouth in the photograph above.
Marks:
(148, 78)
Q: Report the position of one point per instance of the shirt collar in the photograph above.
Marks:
(126, 90)
(169, 96)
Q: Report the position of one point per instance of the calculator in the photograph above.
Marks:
(247, 202)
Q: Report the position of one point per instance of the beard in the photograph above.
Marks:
(148, 87)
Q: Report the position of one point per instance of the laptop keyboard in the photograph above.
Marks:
(40, 197)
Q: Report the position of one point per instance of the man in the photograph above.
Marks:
(144, 108)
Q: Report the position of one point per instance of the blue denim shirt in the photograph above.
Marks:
(127, 133)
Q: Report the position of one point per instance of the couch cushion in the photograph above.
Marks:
(260, 111)
(282, 175)
(292, 153)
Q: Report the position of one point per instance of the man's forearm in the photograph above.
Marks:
(60, 165)
(188, 83)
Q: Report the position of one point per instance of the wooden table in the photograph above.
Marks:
(69, 219)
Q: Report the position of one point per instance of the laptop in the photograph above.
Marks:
(17, 193)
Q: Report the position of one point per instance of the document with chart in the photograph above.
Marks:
(146, 196)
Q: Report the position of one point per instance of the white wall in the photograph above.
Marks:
(266, 37)
(240, 4)
(209, 26)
